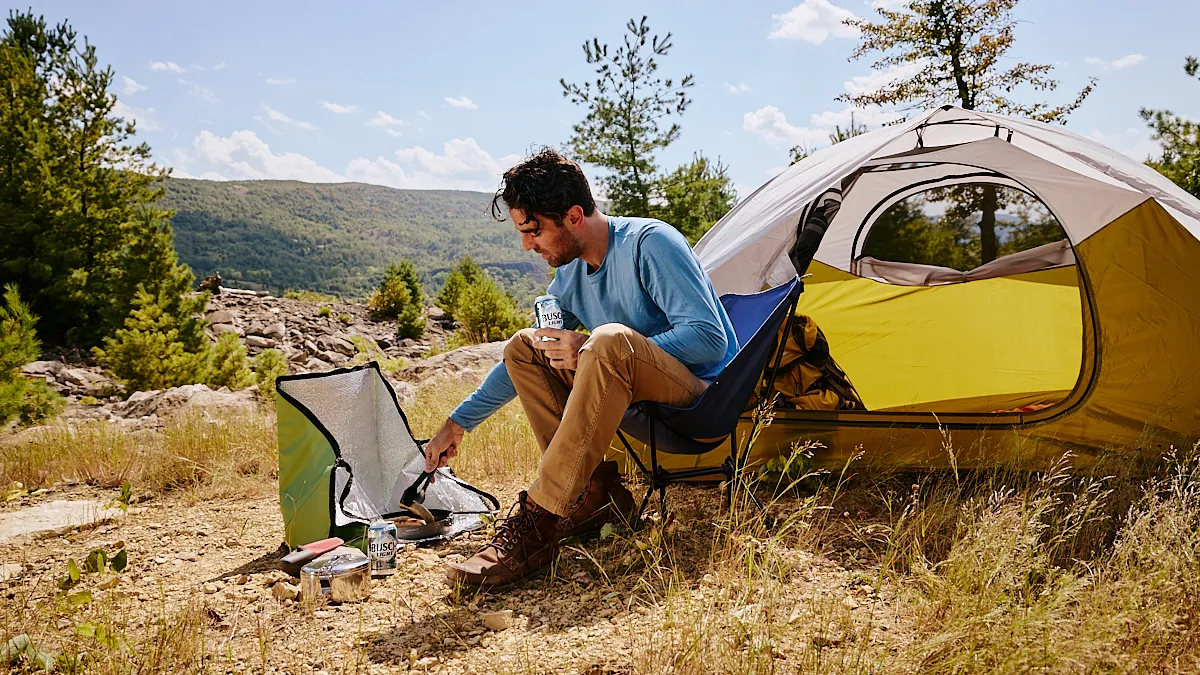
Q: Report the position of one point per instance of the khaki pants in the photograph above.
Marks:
(574, 415)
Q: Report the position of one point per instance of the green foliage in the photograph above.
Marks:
(338, 239)
(366, 351)
(162, 344)
(268, 365)
(309, 296)
(1179, 138)
(462, 277)
(626, 106)
(400, 297)
(346, 319)
(695, 196)
(962, 47)
(19, 345)
(79, 231)
(941, 227)
(40, 403)
(325, 312)
(485, 314)
(229, 365)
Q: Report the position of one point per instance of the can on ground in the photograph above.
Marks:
(547, 313)
(381, 547)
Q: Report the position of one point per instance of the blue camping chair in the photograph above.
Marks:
(714, 416)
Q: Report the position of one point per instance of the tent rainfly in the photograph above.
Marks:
(1084, 344)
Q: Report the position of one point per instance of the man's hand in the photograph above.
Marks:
(563, 353)
(443, 447)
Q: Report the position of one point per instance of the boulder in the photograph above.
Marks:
(435, 312)
(260, 342)
(188, 398)
(221, 328)
(469, 360)
(275, 331)
(222, 316)
(315, 365)
(341, 346)
(43, 368)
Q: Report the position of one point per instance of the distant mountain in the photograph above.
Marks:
(338, 238)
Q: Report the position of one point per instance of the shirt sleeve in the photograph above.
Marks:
(676, 283)
(496, 390)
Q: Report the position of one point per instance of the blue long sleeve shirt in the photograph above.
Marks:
(649, 281)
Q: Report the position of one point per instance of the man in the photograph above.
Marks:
(658, 333)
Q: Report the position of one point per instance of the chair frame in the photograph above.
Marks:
(658, 478)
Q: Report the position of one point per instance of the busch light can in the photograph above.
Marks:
(547, 313)
(381, 547)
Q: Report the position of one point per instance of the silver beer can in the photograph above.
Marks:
(381, 547)
(547, 313)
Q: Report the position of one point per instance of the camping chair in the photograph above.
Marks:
(713, 416)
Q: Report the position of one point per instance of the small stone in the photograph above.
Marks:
(10, 571)
(849, 602)
(210, 588)
(322, 614)
(219, 317)
(500, 620)
(242, 580)
(109, 583)
(188, 556)
(285, 591)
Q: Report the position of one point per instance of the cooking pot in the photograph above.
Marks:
(342, 575)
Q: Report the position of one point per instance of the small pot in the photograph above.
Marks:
(338, 577)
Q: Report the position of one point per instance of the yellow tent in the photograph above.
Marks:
(1083, 344)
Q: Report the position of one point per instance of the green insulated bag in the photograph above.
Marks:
(347, 454)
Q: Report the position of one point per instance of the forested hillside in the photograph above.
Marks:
(338, 238)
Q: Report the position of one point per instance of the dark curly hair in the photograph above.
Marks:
(544, 184)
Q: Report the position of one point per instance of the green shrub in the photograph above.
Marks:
(400, 297)
(309, 296)
(229, 365)
(366, 350)
(466, 275)
(485, 314)
(162, 345)
(40, 403)
(267, 366)
(18, 345)
(326, 311)
(345, 318)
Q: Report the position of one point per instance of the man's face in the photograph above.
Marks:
(556, 242)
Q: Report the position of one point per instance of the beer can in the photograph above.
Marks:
(547, 313)
(381, 547)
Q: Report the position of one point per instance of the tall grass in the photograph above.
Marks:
(232, 454)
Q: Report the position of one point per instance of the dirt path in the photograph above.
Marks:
(624, 605)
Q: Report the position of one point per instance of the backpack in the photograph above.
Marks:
(808, 378)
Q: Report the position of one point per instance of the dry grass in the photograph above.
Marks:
(225, 457)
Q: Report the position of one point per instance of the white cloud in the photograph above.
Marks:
(1117, 64)
(423, 114)
(892, 5)
(738, 88)
(813, 21)
(145, 117)
(384, 121)
(461, 102)
(197, 91)
(168, 66)
(462, 165)
(279, 81)
(770, 124)
(219, 66)
(130, 85)
(338, 108)
(872, 117)
(276, 116)
(244, 156)
(393, 133)
(876, 79)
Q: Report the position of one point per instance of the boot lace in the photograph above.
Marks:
(512, 528)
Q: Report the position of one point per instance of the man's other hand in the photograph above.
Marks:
(563, 352)
(443, 447)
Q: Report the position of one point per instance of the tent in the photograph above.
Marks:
(347, 454)
(1083, 344)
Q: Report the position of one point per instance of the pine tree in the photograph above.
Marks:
(960, 47)
(228, 365)
(485, 314)
(79, 231)
(626, 105)
(19, 345)
(695, 196)
(163, 343)
(466, 274)
(1180, 141)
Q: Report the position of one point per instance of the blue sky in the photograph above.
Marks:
(447, 95)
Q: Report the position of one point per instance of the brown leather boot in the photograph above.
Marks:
(605, 500)
(524, 544)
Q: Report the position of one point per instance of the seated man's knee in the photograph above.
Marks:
(610, 339)
(519, 345)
